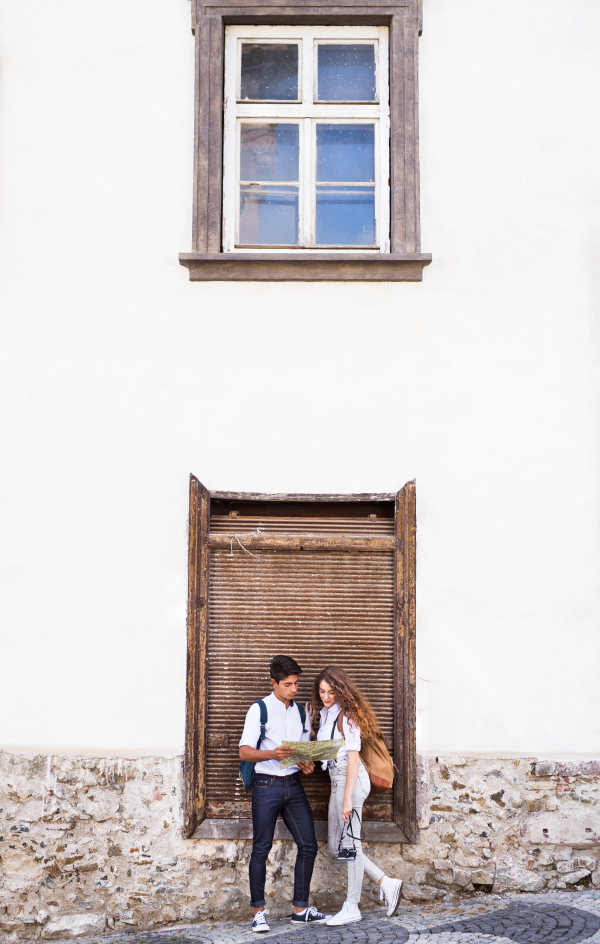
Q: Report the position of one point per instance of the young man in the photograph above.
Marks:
(278, 791)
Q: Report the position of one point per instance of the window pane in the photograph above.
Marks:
(270, 71)
(269, 215)
(345, 216)
(346, 72)
(269, 151)
(346, 152)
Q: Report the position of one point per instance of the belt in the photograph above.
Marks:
(274, 777)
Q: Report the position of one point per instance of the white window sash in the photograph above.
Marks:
(306, 112)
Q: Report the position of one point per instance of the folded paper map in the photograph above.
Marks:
(310, 750)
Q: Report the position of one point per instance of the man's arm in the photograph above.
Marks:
(254, 756)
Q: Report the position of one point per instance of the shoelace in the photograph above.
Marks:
(259, 917)
(309, 912)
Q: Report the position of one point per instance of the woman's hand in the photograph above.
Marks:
(312, 713)
(346, 808)
(306, 766)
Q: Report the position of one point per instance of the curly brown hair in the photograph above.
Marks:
(350, 699)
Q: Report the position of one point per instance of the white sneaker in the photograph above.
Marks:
(259, 922)
(347, 915)
(391, 890)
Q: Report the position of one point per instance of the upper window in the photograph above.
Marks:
(306, 142)
(306, 157)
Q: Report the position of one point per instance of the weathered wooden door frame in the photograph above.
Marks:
(404, 547)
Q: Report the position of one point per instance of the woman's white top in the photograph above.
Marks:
(351, 732)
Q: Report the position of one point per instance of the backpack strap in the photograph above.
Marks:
(302, 712)
(264, 717)
(339, 722)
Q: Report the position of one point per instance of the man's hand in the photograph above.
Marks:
(280, 753)
(306, 766)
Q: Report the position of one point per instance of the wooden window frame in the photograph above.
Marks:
(404, 825)
(404, 261)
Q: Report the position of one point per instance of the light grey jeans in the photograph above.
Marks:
(361, 864)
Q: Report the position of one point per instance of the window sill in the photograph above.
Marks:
(242, 829)
(308, 267)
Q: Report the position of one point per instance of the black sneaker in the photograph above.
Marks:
(309, 916)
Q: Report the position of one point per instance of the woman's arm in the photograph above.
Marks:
(351, 775)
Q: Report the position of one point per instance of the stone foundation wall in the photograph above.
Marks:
(88, 845)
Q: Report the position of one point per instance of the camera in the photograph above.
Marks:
(346, 855)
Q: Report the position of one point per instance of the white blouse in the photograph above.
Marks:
(351, 732)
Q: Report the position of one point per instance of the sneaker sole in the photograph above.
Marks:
(303, 924)
(260, 930)
(338, 924)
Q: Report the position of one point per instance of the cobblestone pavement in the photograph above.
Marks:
(525, 919)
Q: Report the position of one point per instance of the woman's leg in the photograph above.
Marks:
(356, 867)
(334, 827)
(373, 871)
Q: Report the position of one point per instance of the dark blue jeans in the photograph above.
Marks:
(270, 797)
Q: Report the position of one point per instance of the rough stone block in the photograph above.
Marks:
(75, 925)
(461, 877)
(512, 877)
(466, 860)
(544, 768)
(420, 893)
(586, 862)
(483, 876)
(596, 878)
(444, 878)
(445, 832)
(545, 858)
(442, 865)
(571, 878)
(534, 805)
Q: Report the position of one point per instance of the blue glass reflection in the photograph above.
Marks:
(270, 71)
(345, 216)
(346, 152)
(346, 72)
(269, 216)
(269, 152)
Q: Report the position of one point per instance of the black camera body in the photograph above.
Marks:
(346, 855)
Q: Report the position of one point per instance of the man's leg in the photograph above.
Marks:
(297, 816)
(268, 798)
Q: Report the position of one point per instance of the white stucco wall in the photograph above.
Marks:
(119, 377)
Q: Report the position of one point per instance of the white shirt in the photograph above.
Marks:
(283, 724)
(351, 732)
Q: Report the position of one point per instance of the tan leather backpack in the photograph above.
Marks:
(376, 758)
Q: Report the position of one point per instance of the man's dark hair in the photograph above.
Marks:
(282, 666)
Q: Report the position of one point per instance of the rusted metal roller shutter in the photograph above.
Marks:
(321, 608)
(227, 524)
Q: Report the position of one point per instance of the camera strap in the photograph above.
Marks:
(349, 831)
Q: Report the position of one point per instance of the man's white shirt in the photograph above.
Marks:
(283, 724)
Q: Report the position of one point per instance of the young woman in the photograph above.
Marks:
(335, 692)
